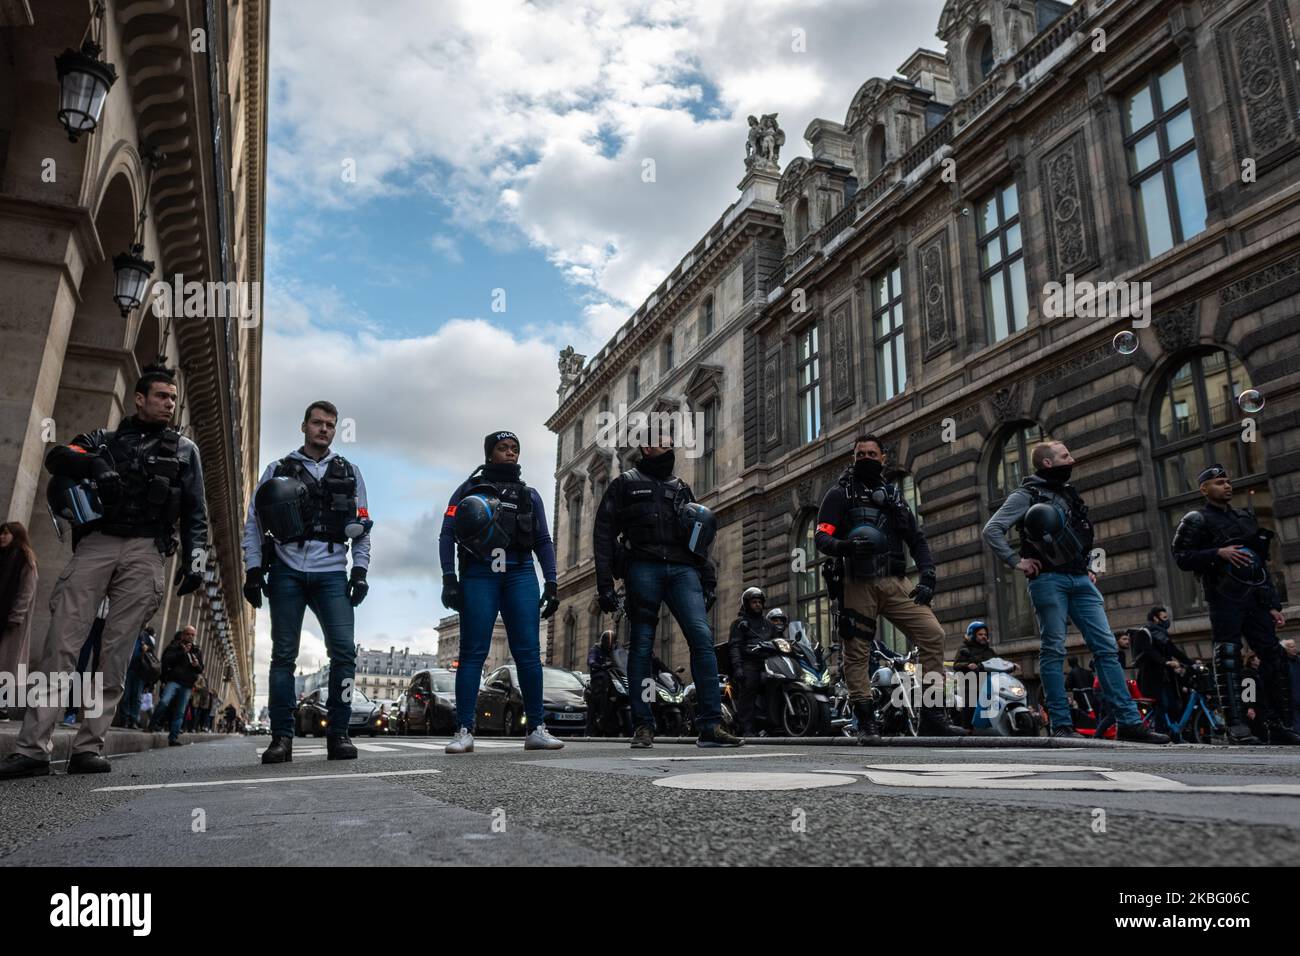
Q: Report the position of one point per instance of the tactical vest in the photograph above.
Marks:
(864, 509)
(647, 511)
(1247, 533)
(150, 467)
(515, 515)
(1076, 518)
(331, 501)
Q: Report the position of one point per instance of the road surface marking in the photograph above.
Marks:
(753, 781)
(222, 783)
(717, 756)
(1034, 777)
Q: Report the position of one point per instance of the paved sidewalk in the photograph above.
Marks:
(118, 741)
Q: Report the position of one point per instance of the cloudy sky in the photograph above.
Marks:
(424, 153)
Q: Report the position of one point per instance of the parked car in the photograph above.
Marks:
(428, 705)
(311, 715)
(501, 703)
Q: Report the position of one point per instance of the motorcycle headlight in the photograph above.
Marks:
(1013, 693)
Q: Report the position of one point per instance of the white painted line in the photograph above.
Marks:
(373, 748)
(1032, 777)
(250, 780)
(715, 757)
(753, 781)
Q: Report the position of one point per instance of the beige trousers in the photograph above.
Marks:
(887, 598)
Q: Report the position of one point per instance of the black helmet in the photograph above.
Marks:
(72, 500)
(476, 527)
(281, 505)
(751, 593)
(879, 540)
(699, 527)
(1043, 522)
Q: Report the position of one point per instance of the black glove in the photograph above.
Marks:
(550, 603)
(710, 596)
(188, 581)
(923, 593)
(450, 592)
(357, 586)
(608, 600)
(254, 585)
(108, 483)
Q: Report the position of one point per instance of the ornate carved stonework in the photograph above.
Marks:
(841, 358)
(1260, 82)
(934, 428)
(1074, 104)
(928, 216)
(1176, 329)
(1067, 195)
(772, 399)
(1005, 403)
(1080, 361)
(1258, 289)
(936, 317)
(570, 366)
(806, 494)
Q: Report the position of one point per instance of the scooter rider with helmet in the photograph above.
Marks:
(750, 629)
(976, 648)
(1056, 541)
(1228, 551)
(650, 531)
(776, 617)
(308, 514)
(865, 524)
(493, 525)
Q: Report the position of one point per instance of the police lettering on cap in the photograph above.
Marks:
(281, 505)
(1211, 473)
(699, 528)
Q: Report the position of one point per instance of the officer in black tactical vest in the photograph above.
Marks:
(1227, 549)
(124, 491)
(308, 511)
(864, 524)
(650, 532)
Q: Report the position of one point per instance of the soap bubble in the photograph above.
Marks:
(1126, 342)
(1250, 401)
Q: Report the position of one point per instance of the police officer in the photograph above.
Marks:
(495, 523)
(125, 491)
(1056, 540)
(865, 524)
(750, 629)
(1227, 549)
(650, 532)
(312, 505)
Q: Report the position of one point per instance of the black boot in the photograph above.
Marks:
(1227, 669)
(868, 726)
(20, 765)
(1277, 732)
(280, 751)
(935, 723)
(88, 763)
(339, 747)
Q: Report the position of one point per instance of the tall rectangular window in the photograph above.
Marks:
(810, 385)
(575, 529)
(1163, 167)
(577, 436)
(706, 317)
(1002, 263)
(708, 467)
(668, 352)
(887, 330)
(634, 384)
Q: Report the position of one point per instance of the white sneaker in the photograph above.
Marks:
(462, 743)
(541, 739)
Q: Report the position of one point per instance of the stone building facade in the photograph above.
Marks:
(382, 675)
(190, 89)
(1122, 141)
(448, 653)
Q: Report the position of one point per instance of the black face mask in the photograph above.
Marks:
(1058, 474)
(868, 470)
(501, 472)
(660, 466)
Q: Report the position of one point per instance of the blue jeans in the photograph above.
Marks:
(1057, 596)
(515, 594)
(130, 705)
(649, 584)
(173, 702)
(290, 593)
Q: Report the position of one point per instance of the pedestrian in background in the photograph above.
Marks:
(18, 579)
(141, 672)
(182, 664)
(1292, 662)
(146, 708)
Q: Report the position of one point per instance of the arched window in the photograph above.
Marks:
(812, 601)
(1010, 465)
(876, 151)
(979, 55)
(986, 56)
(801, 219)
(1195, 422)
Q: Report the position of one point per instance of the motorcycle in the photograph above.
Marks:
(1002, 708)
(895, 688)
(668, 702)
(794, 695)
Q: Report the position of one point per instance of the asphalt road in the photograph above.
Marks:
(406, 802)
